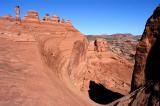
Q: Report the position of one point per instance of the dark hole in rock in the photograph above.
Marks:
(99, 94)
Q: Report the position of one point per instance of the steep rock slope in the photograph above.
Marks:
(33, 61)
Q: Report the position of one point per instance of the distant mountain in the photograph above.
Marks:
(118, 35)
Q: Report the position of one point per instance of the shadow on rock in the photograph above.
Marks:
(99, 94)
(153, 63)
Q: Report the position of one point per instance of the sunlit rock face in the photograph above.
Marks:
(55, 19)
(100, 45)
(34, 59)
(31, 16)
(47, 19)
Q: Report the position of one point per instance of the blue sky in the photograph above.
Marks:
(91, 16)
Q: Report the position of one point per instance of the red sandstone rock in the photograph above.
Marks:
(32, 16)
(47, 19)
(68, 22)
(91, 46)
(35, 73)
(7, 18)
(62, 21)
(18, 13)
(55, 19)
(100, 45)
(89, 65)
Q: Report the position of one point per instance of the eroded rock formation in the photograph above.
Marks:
(55, 19)
(18, 13)
(100, 45)
(47, 19)
(32, 16)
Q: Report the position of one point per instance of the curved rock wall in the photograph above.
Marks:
(34, 72)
